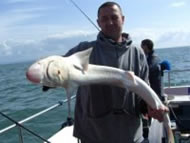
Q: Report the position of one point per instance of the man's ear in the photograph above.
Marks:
(123, 19)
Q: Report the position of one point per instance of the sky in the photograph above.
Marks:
(32, 29)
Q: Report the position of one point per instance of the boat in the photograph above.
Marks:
(177, 99)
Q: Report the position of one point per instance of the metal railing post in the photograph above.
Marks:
(169, 82)
(20, 134)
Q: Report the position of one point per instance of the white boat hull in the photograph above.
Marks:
(65, 135)
(177, 90)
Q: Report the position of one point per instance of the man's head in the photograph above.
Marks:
(111, 20)
(147, 45)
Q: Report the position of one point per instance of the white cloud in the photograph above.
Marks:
(174, 39)
(5, 49)
(162, 37)
(18, 1)
(30, 10)
(178, 4)
(22, 14)
(15, 51)
(21, 21)
(11, 19)
(59, 43)
(71, 34)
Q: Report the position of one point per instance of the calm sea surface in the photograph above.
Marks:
(20, 99)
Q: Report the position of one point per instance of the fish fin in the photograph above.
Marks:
(131, 77)
(69, 92)
(82, 59)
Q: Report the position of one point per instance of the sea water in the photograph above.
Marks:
(20, 99)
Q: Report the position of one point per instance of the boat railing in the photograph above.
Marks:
(20, 126)
(168, 79)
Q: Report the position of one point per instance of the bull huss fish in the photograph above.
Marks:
(75, 70)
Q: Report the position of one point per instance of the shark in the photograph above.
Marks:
(74, 71)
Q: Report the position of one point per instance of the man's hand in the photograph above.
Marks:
(157, 114)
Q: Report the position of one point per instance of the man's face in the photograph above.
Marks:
(110, 20)
(145, 49)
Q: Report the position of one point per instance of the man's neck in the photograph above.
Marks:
(116, 39)
(119, 39)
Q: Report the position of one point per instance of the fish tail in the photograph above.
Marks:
(170, 136)
(167, 125)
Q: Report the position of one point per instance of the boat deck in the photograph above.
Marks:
(64, 136)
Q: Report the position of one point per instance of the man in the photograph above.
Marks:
(154, 66)
(155, 75)
(108, 114)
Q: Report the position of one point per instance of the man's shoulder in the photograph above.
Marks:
(86, 44)
(80, 47)
(137, 50)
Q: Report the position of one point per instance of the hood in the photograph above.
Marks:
(126, 40)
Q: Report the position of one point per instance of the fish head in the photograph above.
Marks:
(48, 72)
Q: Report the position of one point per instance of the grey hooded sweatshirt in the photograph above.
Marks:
(108, 114)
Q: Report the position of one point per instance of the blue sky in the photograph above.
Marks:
(30, 29)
